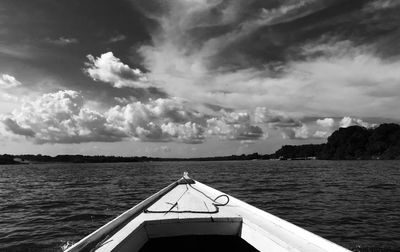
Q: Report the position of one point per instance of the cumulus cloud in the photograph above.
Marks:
(108, 68)
(189, 132)
(325, 127)
(234, 126)
(159, 120)
(293, 126)
(300, 132)
(321, 128)
(8, 81)
(349, 121)
(60, 118)
(275, 118)
(64, 117)
(308, 130)
(326, 122)
(288, 124)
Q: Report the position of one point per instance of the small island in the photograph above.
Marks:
(352, 143)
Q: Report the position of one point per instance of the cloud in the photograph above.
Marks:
(293, 126)
(289, 125)
(60, 118)
(159, 120)
(276, 119)
(300, 132)
(326, 122)
(215, 52)
(62, 41)
(234, 126)
(339, 75)
(8, 81)
(349, 121)
(321, 134)
(195, 48)
(321, 128)
(107, 68)
(63, 117)
(17, 129)
(381, 5)
(117, 38)
(325, 127)
(252, 59)
(189, 132)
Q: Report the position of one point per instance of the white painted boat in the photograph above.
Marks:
(190, 216)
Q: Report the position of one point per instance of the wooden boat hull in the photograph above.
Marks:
(189, 208)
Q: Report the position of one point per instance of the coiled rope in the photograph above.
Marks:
(214, 203)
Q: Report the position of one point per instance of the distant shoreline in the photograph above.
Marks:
(191, 159)
(352, 143)
(62, 159)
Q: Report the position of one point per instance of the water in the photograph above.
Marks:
(353, 203)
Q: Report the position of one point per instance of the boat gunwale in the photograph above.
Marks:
(98, 236)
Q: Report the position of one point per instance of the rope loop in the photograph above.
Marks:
(215, 204)
(221, 204)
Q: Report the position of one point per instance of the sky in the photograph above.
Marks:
(193, 78)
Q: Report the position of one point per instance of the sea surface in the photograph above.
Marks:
(356, 204)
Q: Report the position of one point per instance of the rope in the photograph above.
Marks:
(219, 204)
(214, 202)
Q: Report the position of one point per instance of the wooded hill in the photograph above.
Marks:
(351, 143)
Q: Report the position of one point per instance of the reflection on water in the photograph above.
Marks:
(353, 203)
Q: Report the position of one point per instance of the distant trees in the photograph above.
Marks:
(354, 142)
(346, 143)
(384, 142)
(26, 159)
(7, 159)
(80, 159)
(299, 151)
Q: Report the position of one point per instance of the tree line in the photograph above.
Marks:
(350, 143)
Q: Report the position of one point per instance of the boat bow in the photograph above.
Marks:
(190, 208)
